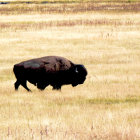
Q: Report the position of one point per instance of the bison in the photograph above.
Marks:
(50, 70)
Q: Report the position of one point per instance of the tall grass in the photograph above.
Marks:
(106, 106)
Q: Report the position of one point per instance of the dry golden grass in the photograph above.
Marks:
(105, 107)
(9, 9)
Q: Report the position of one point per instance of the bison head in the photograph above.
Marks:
(80, 74)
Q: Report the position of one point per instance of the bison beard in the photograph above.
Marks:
(50, 70)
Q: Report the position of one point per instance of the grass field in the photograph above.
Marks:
(103, 37)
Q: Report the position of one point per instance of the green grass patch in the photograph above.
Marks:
(113, 100)
(96, 101)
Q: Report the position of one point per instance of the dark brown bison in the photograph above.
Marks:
(50, 70)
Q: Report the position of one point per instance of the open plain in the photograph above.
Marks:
(105, 37)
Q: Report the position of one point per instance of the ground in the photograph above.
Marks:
(105, 37)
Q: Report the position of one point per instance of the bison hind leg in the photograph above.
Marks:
(17, 83)
(23, 83)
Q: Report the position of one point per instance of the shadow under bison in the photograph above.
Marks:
(50, 70)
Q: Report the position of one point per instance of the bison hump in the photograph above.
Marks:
(57, 64)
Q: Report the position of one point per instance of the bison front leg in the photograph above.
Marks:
(57, 87)
(41, 86)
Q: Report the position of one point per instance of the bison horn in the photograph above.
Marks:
(76, 70)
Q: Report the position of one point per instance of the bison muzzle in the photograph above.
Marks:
(50, 70)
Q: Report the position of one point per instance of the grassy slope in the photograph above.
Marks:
(105, 107)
